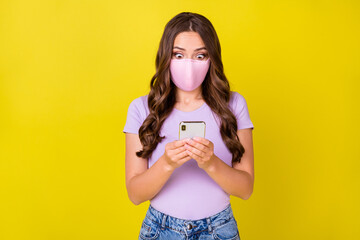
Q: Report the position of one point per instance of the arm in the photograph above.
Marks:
(237, 180)
(142, 183)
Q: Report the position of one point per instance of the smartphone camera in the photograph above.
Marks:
(183, 127)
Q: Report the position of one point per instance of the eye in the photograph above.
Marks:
(177, 54)
(202, 56)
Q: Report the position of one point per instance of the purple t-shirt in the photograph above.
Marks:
(190, 193)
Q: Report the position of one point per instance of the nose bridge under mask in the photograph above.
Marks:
(188, 74)
(189, 69)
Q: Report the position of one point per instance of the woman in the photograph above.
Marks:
(189, 181)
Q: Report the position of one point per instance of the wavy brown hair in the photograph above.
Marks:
(215, 87)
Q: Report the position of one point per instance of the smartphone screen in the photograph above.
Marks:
(190, 129)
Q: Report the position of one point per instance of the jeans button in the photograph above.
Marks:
(189, 226)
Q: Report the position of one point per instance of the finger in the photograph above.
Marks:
(193, 155)
(178, 150)
(185, 159)
(197, 145)
(181, 155)
(202, 140)
(177, 143)
(195, 151)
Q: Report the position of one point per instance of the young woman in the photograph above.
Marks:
(189, 181)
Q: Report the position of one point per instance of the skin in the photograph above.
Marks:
(143, 184)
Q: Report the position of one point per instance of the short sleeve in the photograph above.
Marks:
(136, 115)
(240, 110)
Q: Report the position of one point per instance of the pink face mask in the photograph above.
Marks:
(188, 74)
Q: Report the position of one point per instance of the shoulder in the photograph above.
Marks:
(236, 100)
(140, 106)
(140, 102)
(137, 113)
(239, 108)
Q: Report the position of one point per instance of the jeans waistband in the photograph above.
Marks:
(184, 225)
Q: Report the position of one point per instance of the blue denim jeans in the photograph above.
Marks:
(158, 225)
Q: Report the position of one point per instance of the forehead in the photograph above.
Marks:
(188, 40)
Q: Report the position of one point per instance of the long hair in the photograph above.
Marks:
(215, 87)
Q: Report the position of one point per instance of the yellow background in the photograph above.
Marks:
(69, 69)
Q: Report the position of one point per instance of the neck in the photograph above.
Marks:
(188, 97)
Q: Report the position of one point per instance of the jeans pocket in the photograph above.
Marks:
(227, 231)
(149, 229)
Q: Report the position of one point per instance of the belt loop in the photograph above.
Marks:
(163, 222)
(209, 224)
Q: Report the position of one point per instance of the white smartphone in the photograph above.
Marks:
(190, 129)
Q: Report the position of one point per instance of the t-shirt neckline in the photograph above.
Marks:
(191, 112)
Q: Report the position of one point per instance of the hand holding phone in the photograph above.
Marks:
(175, 154)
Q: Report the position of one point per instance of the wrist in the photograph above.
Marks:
(165, 165)
(213, 165)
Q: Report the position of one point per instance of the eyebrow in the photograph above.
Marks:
(195, 49)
